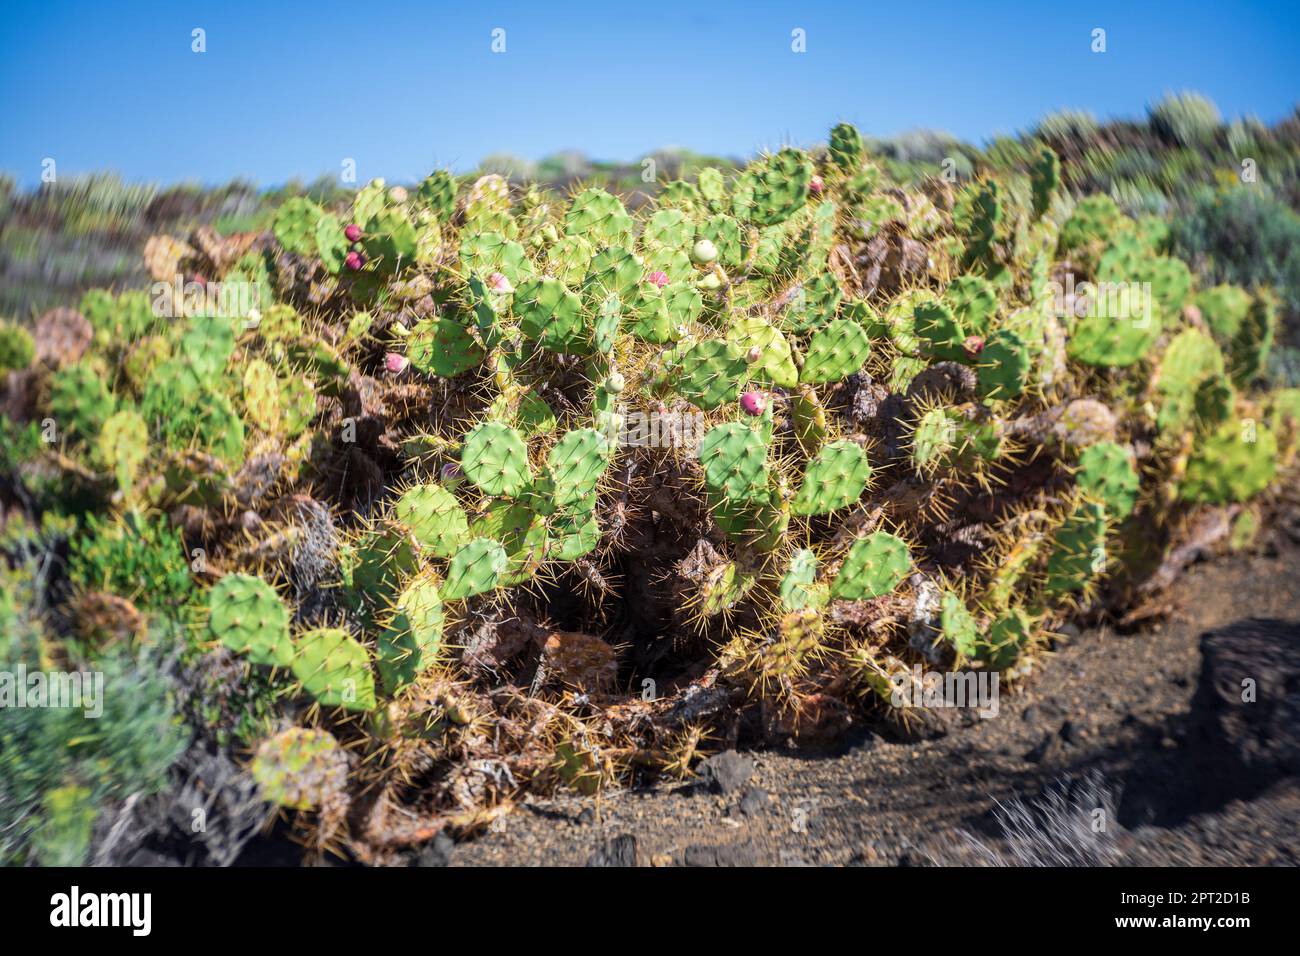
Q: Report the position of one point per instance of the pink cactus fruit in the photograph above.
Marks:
(753, 403)
(815, 185)
(354, 261)
(353, 232)
(658, 278)
(395, 363)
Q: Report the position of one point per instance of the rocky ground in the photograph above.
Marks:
(1142, 730)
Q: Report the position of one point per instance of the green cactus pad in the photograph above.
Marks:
(774, 362)
(1002, 368)
(495, 458)
(799, 588)
(1106, 472)
(575, 465)
(599, 217)
(734, 459)
(434, 517)
(295, 225)
(834, 479)
(1115, 333)
(249, 617)
(551, 316)
(411, 636)
(80, 401)
(1078, 556)
(709, 373)
(443, 347)
(874, 566)
(475, 568)
(835, 352)
(334, 669)
(1234, 462)
(123, 446)
(957, 624)
(814, 305)
(973, 302)
(300, 769)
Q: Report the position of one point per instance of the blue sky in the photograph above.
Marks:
(402, 87)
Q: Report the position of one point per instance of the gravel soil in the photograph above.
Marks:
(1115, 708)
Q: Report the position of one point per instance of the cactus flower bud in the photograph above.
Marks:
(354, 261)
(395, 363)
(815, 185)
(752, 403)
(450, 475)
(397, 194)
(499, 283)
(973, 346)
(353, 232)
(753, 355)
(703, 252)
(615, 383)
(657, 278)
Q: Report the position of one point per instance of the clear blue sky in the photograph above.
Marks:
(401, 87)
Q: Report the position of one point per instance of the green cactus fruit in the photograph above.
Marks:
(495, 458)
(80, 401)
(334, 669)
(708, 373)
(123, 445)
(766, 350)
(727, 237)
(300, 769)
(808, 420)
(575, 465)
(1118, 330)
(475, 568)
(1002, 367)
(834, 479)
(17, 349)
(438, 193)
(1045, 179)
(814, 305)
(1224, 309)
(1249, 349)
(551, 316)
(835, 352)
(846, 148)
(1078, 551)
(249, 617)
(799, 588)
(957, 624)
(937, 327)
(295, 225)
(262, 396)
(734, 459)
(1106, 473)
(411, 635)
(435, 517)
(1233, 463)
(874, 566)
(600, 217)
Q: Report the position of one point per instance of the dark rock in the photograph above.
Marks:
(1070, 732)
(1030, 714)
(727, 854)
(619, 851)
(587, 817)
(1252, 742)
(726, 772)
(754, 801)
